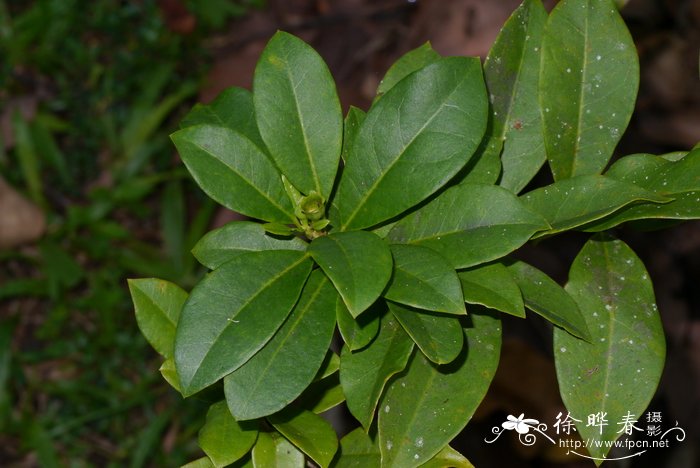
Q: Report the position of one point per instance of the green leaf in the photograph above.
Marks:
(169, 373)
(438, 336)
(545, 297)
(310, 432)
(234, 172)
(274, 451)
(330, 364)
(423, 278)
(353, 122)
(470, 224)
(233, 312)
(679, 179)
(357, 332)
(203, 462)
(278, 229)
(596, 72)
(428, 405)
(322, 395)
(235, 238)
(448, 458)
(492, 286)
(358, 450)
(298, 113)
(364, 373)
(233, 109)
(281, 370)
(511, 71)
(407, 64)
(358, 263)
(618, 371)
(224, 439)
(483, 168)
(157, 304)
(413, 140)
(571, 203)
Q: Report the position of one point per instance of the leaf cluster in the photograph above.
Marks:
(396, 227)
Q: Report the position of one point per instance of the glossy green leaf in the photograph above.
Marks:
(413, 140)
(330, 364)
(678, 179)
(483, 168)
(357, 332)
(234, 172)
(424, 279)
(408, 63)
(596, 72)
(571, 203)
(169, 373)
(224, 439)
(358, 263)
(287, 364)
(364, 373)
(470, 224)
(235, 238)
(448, 458)
(278, 229)
(157, 304)
(618, 371)
(358, 450)
(274, 451)
(438, 336)
(427, 405)
(233, 312)
(511, 71)
(384, 229)
(322, 395)
(245, 462)
(492, 286)
(203, 462)
(353, 122)
(545, 297)
(310, 432)
(232, 108)
(298, 113)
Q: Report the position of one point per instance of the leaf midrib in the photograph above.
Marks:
(250, 184)
(243, 306)
(309, 157)
(435, 236)
(400, 155)
(579, 123)
(283, 342)
(611, 329)
(157, 307)
(514, 88)
(428, 284)
(418, 403)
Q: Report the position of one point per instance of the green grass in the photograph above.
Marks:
(79, 386)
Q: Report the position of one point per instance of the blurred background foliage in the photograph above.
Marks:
(89, 93)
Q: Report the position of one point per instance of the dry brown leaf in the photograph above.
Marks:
(21, 221)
